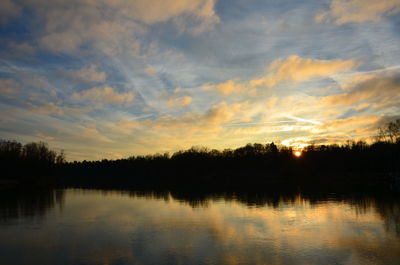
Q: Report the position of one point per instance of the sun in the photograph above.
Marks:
(297, 153)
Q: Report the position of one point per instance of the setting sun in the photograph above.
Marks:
(297, 153)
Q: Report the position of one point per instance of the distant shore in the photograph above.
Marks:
(350, 167)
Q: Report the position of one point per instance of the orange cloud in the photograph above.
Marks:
(226, 88)
(177, 98)
(193, 122)
(348, 123)
(291, 69)
(128, 124)
(297, 69)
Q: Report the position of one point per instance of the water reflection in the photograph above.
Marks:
(160, 227)
(18, 204)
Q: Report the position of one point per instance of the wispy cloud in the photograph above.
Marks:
(359, 11)
(104, 94)
(8, 86)
(87, 74)
(303, 120)
(51, 109)
(180, 101)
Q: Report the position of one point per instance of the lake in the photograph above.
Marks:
(75, 226)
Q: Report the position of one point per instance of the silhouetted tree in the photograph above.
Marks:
(32, 162)
(390, 132)
(38, 153)
(353, 165)
(10, 150)
(60, 158)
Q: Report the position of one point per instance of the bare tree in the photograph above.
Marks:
(390, 132)
(39, 152)
(60, 159)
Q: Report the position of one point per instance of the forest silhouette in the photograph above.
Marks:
(353, 166)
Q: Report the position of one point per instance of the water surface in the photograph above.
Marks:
(115, 227)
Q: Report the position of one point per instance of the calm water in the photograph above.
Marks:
(97, 227)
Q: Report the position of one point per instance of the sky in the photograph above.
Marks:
(115, 78)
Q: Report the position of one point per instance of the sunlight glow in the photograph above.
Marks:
(297, 153)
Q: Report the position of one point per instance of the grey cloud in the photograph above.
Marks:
(8, 11)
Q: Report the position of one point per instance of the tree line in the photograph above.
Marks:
(353, 165)
(31, 162)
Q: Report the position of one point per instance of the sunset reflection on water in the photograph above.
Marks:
(97, 227)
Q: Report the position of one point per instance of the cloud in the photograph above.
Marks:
(301, 142)
(25, 88)
(339, 131)
(103, 94)
(92, 132)
(212, 119)
(87, 74)
(150, 70)
(8, 10)
(341, 125)
(31, 86)
(374, 89)
(291, 69)
(359, 11)
(21, 49)
(221, 113)
(180, 101)
(8, 86)
(177, 98)
(205, 14)
(82, 25)
(128, 124)
(386, 119)
(51, 108)
(109, 37)
(302, 119)
(154, 11)
(226, 88)
(79, 24)
(297, 69)
(42, 137)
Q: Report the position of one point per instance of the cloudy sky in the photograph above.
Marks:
(114, 78)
